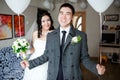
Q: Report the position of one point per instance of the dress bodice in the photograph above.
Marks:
(38, 72)
(39, 46)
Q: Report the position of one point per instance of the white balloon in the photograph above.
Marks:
(83, 5)
(117, 3)
(48, 5)
(17, 6)
(74, 1)
(100, 5)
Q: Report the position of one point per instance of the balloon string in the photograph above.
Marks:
(100, 55)
(19, 26)
(100, 27)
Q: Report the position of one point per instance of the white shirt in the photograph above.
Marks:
(61, 34)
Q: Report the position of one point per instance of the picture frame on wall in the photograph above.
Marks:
(6, 28)
(111, 17)
(19, 25)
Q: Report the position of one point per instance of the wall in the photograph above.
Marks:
(93, 27)
(30, 15)
(92, 23)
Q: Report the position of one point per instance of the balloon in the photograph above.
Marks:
(83, 5)
(48, 5)
(117, 3)
(74, 1)
(17, 6)
(100, 5)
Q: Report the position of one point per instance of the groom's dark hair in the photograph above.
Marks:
(69, 6)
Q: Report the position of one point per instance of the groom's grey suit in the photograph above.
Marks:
(73, 55)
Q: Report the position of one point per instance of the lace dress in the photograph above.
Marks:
(39, 72)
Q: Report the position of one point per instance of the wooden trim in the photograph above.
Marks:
(79, 14)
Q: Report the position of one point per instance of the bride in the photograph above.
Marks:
(45, 25)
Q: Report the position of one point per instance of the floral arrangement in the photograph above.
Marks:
(20, 47)
(76, 39)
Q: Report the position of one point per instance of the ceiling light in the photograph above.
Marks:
(74, 1)
(83, 4)
(48, 5)
(117, 3)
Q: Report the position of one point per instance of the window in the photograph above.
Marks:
(79, 21)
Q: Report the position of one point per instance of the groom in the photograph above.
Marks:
(64, 62)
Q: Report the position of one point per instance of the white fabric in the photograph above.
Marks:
(39, 72)
(29, 33)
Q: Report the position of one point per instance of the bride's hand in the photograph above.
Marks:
(30, 51)
(24, 64)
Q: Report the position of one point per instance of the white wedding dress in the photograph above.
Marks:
(39, 72)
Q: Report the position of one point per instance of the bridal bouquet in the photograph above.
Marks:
(20, 47)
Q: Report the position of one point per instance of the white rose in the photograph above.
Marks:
(74, 39)
(18, 54)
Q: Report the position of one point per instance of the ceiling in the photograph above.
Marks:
(57, 1)
(54, 1)
(39, 3)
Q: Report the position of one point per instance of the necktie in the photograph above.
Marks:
(60, 73)
(63, 38)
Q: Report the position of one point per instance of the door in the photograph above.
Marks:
(79, 21)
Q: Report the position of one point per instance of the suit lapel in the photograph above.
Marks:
(57, 40)
(69, 37)
(68, 40)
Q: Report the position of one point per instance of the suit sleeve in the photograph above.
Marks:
(38, 61)
(42, 59)
(85, 58)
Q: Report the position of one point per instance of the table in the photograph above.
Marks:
(110, 50)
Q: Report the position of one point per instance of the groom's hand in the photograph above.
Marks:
(100, 69)
(24, 64)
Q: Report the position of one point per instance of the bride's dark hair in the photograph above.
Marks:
(40, 14)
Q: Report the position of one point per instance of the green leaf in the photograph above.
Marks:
(79, 38)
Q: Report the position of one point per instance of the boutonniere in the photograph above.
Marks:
(76, 39)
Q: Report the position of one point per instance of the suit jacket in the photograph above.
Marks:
(73, 55)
